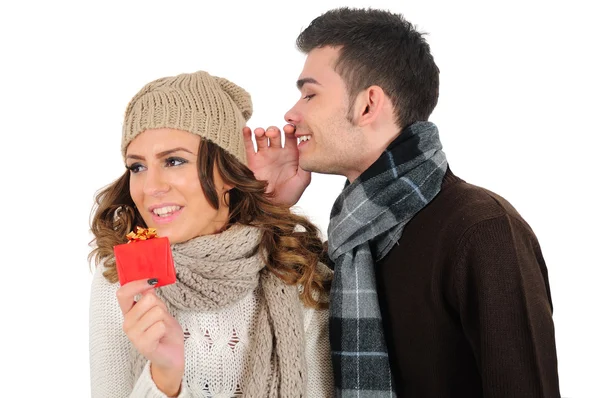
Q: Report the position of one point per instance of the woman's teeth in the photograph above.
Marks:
(164, 211)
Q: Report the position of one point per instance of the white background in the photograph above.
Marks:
(518, 114)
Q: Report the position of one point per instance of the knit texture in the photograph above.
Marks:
(212, 107)
(246, 331)
(466, 301)
(214, 271)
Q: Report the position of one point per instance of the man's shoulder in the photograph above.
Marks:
(461, 200)
(459, 206)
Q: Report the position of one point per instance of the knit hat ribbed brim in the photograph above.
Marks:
(209, 106)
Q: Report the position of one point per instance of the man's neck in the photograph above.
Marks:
(373, 153)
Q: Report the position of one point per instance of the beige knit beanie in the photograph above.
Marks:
(212, 107)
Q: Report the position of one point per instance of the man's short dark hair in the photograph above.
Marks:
(379, 48)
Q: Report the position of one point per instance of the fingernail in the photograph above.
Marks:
(271, 129)
(152, 281)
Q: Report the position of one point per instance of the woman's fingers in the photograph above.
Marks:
(148, 341)
(133, 328)
(126, 293)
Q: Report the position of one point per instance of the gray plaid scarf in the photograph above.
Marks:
(367, 219)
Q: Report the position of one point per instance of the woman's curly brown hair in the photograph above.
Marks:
(292, 243)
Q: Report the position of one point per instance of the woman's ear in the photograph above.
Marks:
(224, 196)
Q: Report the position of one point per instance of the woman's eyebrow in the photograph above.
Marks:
(162, 154)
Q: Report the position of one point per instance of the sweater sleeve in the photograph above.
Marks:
(110, 372)
(318, 354)
(503, 296)
(318, 349)
(145, 387)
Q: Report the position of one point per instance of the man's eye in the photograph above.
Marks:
(308, 97)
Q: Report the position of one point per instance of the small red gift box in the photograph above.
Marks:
(145, 256)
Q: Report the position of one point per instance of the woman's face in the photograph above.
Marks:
(166, 189)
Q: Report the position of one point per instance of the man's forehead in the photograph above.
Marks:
(318, 67)
(322, 57)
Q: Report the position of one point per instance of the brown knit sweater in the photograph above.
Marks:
(466, 303)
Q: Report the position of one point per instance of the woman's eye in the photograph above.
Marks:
(135, 168)
(175, 162)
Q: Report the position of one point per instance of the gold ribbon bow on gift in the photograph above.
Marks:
(141, 234)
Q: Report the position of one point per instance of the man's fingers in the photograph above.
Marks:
(248, 143)
(291, 142)
(274, 135)
(290, 139)
(262, 141)
(289, 129)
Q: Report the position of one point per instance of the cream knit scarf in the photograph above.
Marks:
(217, 271)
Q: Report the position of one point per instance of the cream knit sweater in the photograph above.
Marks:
(216, 349)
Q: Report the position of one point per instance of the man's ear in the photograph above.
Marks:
(368, 105)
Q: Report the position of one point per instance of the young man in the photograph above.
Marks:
(440, 287)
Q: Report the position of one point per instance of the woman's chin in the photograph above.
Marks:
(175, 237)
(167, 233)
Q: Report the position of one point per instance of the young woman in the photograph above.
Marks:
(247, 315)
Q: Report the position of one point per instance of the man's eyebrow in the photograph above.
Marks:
(162, 154)
(301, 82)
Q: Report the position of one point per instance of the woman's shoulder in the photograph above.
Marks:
(101, 286)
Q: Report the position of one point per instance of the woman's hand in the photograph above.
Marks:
(154, 333)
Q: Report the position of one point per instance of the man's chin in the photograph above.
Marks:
(307, 164)
(314, 167)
